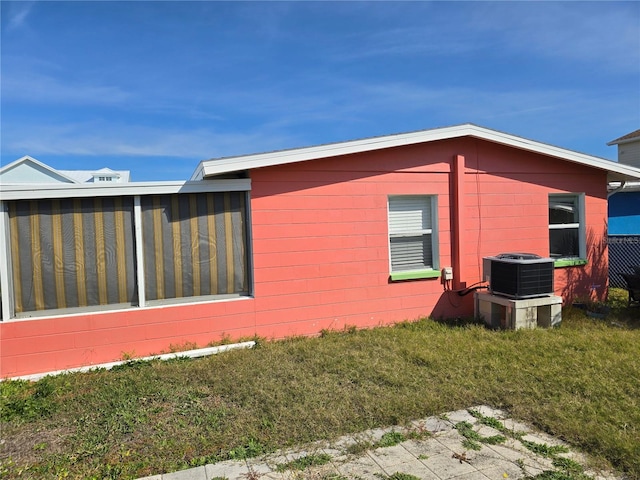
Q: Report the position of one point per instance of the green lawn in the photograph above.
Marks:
(580, 382)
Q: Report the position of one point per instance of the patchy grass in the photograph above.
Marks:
(313, 460)
(390, 439)
(580, 382)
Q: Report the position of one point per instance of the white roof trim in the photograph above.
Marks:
(29, 159)
(21, 191)
(208, 168)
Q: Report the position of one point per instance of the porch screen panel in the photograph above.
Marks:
(194, 244)
(72, 253)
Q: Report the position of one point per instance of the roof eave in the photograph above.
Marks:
(209, 168)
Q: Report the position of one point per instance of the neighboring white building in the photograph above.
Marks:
(29, 170)
(628, 148)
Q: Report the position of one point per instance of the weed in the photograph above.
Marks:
(471, 445)
(251, 449)
(488, 421)
(131, 365)
(467, 431)
(494, 440)
(568, 465)
(551, 475)
(306, 461)
(390, 439)
(182, 347)
(544, 449)
(128, 355)
(472, 438)
(397, 476)
(252, 474)
(27, 401)
(358, 448)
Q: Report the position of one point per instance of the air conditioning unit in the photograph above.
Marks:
(519, 275)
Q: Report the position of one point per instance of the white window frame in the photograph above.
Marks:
(426, 271)
(579, 201)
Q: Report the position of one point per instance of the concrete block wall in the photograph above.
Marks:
(320, 257)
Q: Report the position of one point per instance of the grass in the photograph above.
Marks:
(306, 461)
(580, 382)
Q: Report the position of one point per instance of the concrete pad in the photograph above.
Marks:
(363, 468)
(472, 476)
(490, 412)
(431, 458)
(416, 469)
(197, 473)
(233, 470)
(390, 456)
(257, 467)
(461, 416)
(433, 425)
(487, 431)
(511, 470)
(452, 440)
(514, 426)
(445, 466)
(484, 458)
(426, 448)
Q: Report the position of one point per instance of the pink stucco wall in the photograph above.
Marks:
(320, 253)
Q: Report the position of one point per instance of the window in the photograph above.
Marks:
(72, 253)
(99, 253)
(413, 236)
(566, 227)
(194, 245)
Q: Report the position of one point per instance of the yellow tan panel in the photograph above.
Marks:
(78, 235)
(213, 258)
(58, 255)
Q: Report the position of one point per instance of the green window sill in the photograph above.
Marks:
(570, 262)
(414, 275)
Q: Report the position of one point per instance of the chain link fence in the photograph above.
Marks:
(624, 255)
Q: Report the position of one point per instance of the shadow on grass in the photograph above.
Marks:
(457, 322)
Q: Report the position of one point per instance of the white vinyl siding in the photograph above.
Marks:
(412, 233)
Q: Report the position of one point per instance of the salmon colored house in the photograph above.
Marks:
(290, 243)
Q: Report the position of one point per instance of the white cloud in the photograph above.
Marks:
(17, 13)
(31, 87)
(102, 139)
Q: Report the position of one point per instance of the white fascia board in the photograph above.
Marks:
(283, 157)
(39, 191)
(212, 167)
(197, 174)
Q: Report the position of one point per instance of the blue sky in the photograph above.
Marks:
(155, 87)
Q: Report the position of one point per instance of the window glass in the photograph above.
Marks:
(565, 226)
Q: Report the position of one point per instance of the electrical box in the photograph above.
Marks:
(447, 273)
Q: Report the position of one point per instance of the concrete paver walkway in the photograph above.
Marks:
(435, 450)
